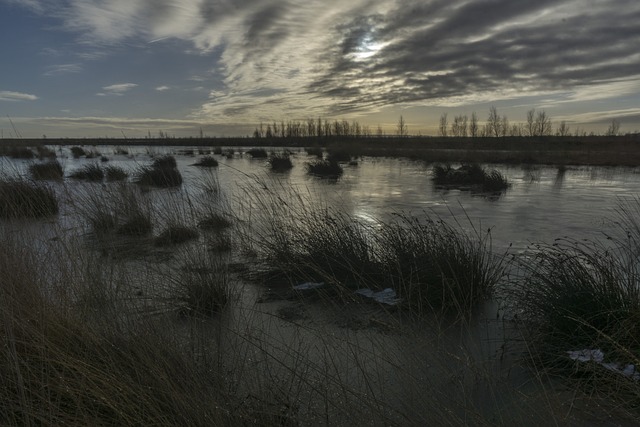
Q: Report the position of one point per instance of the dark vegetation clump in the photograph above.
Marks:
(207, 162)
(257, 153)
(92, 154)
(77, 152)
(121, 151)
(175, 234)
(201, 290)
(214, 221)
(280, 162)
(20, 198)
(90, 172)
(217, 150)
(115, 173)
(163, 172)
(45, 152)
(137, 224)
(580, 295)
(469, 176)
(324, 169)
(314, 151)
(18, 152)
(48, 171)
(339, 155)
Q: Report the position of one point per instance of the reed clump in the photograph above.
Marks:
(163, 172)
(77, 152)
(175, 234)
(280, 162)
(115, 173)
(21, 198)
(470, 175)
(325, 169)
(257, 153)
(48, 171)
(89, 172)
(207, 162)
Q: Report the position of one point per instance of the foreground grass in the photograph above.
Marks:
(21, 198)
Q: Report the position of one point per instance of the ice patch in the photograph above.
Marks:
(308, 286)
(597, 356)
(386, 296)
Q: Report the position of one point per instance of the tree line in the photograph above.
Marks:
(537, 123)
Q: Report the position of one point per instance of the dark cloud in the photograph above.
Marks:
(438, 50)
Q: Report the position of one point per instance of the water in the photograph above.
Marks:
(542, 204)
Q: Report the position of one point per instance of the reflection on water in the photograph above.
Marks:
(543, 203)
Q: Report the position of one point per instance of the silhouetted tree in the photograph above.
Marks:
(403, 129)
(563, 129)
(473, 126)
(614, 128)
(442, 129)
(543, 124)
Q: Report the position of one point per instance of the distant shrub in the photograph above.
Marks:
(45, 152)
(115, 173)
(257, 153)
(339, 156)
(90, 172)
(324, 168)
(51, 170)
(19, 153)
(77, 152)
(314, 151)
(207, 161)
(175, 234)
(217, 150)
(21, 198)
(214, 221)
(469, 175)
(162, 173)
(280, 162)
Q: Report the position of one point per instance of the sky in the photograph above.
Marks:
(93, 68)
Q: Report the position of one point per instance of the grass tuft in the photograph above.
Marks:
(20, 198)
(280, 162)
(162, 173)
(89, 172)
(469, 175)
(324, 169)
(77, 152)
(207, 161)
(257, 153)
(48, 171)
(175, 234)
(115, 173)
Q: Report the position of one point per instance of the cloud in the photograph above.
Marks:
(6, 95)
(117, 89)
(162, 88)
(308, 57)
(54, 70)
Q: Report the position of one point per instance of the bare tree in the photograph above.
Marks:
(494, 123)
(531, 122)
(379, 131)
(543, 124)
(473, 126)
(443, 125)
(614, 128)
(504, 126)
(403, 129)
(563, 129)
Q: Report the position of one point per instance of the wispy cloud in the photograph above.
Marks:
(308, 57)
(117, 89)
(54, 70)
(162, 88)
(6, 95)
